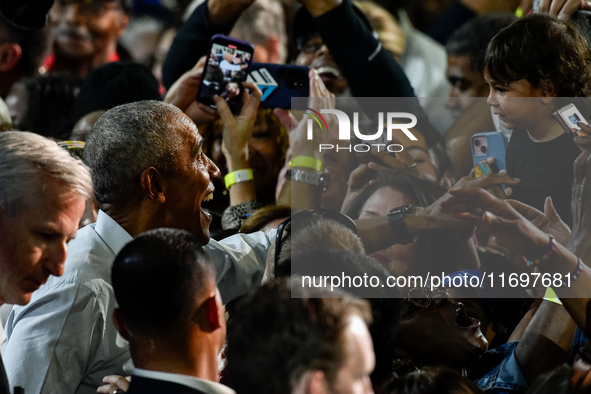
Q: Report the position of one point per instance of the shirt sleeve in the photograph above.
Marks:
(190, 43)
(60, 342)
(239, 262)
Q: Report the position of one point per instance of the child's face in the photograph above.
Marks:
(515, 105)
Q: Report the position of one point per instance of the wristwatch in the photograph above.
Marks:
(318, 179)
(396, 218)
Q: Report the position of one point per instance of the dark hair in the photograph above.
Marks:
(273, 339)
(437, 380)
(114, 84)
(263, 216)
(437, 248)
(50, 105)
(473, 37)
(32, 42)
(422, 191)
(156, 279)
(541, 47)
(125, 141)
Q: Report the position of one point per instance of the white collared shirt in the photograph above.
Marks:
(64, 340)
(206, 386)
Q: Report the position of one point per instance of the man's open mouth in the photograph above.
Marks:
(329, 72)
(463, 320)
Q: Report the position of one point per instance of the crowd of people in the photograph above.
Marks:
(150, 243)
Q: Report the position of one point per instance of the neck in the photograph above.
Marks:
(545, 131)
(136, 217)
(81, 66)
(200, 361)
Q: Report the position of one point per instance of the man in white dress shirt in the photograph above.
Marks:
(42, 197)
(175, 337)
(149, 172)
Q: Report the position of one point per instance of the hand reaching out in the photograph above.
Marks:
(183, 93)
(238, 129)
(547, 221)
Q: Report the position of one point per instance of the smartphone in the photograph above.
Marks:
(226, 68)
(485, 145)
(569, 118)
(279, 83)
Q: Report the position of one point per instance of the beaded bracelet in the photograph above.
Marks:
(574, 275)
(545, 256)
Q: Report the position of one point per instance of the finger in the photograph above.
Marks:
(586, 129)
(550, 211)
(254, 90)
(479, 199)
(544, 6)
(569, 9)
(200, 63)
(223, 109)
(390, 161)
(494, 223)
(359, 176)
(556, 6)
(375, 166)
(495, 180)
(106, 389)
(527, 6)
(524, 210)
(116, 380)
(207, 110)
(286, 118)
(586, 5)
(581, 166)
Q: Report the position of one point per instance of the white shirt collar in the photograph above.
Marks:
(203, 385)
(111, 232)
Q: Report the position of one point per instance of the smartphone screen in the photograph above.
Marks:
(225, 70)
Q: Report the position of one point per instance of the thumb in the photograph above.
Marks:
(550, 211)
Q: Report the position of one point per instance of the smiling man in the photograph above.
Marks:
(42, 197)
(149, 172)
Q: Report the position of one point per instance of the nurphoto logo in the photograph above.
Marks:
(392, 119)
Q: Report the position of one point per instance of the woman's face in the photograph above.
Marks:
(398, 259)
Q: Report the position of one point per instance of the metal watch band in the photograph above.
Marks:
(318, 179)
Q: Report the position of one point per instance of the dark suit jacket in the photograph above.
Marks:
(140, 385)
(4, 389)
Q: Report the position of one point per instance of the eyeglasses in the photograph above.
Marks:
(424, 297)
(311, 46)
(309, 216)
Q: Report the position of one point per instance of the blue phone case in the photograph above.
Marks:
(279, 83)
(495, 148)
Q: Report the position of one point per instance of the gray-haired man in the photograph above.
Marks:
(42, 197)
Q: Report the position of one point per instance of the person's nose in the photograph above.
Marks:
(492, 98)
(56, 258)
(214, 171)
(452, 101)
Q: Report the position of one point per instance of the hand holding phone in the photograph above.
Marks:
(485, 146)
(226, 68)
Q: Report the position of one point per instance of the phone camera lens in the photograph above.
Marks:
(483, 149)
(477, 142)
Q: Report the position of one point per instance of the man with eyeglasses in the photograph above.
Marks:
(85, 34)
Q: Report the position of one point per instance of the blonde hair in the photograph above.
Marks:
(25, 158)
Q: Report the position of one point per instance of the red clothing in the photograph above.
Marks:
(49, 60)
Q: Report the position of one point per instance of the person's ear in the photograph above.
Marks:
(273, 49)
(10, 54)
(208, 315)
(549, 91)
(153, 184)
(311, 382)
(119, 323)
